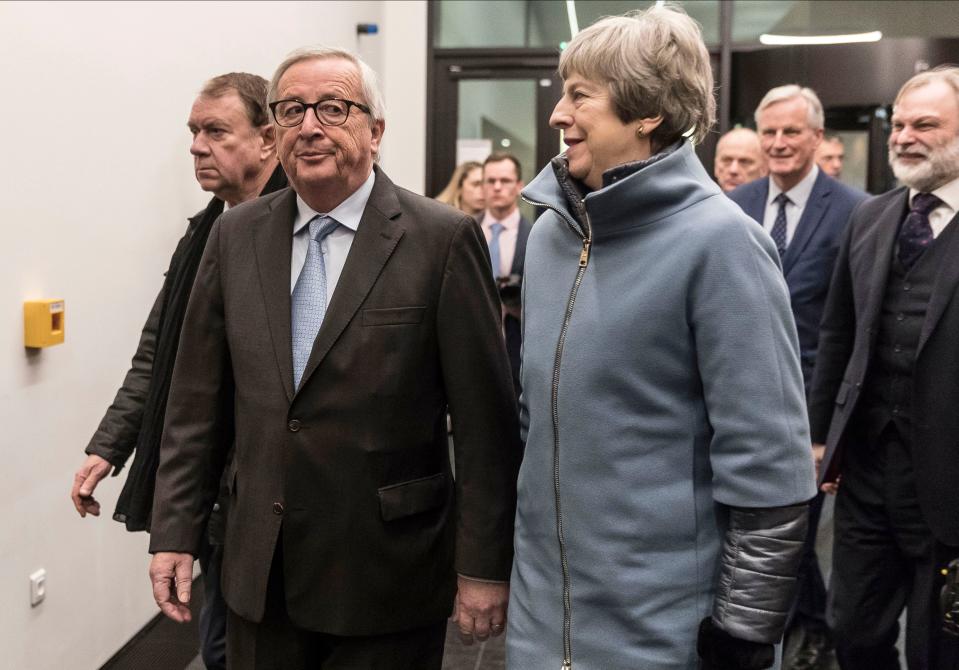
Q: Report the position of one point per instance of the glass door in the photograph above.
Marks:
(479, 108)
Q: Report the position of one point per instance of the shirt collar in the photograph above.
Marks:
(348, 213)
(798, 194)
(948, 193)
(511, 222)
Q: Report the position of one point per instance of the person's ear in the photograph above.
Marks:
(267, 135)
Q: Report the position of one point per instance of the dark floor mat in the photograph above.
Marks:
(162, 644)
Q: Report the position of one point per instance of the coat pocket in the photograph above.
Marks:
(412, 497)
(392, 316)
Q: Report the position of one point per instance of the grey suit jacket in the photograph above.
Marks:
(351, 470)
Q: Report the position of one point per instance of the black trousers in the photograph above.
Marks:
(213, 613)
(885, 559)
(276, 643)
(810, 608)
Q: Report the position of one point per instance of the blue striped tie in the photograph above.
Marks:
(309, 296)
(494, 255)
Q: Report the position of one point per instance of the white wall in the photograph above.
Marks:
(97, 183)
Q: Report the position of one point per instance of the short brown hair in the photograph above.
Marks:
(498, 156)
(948, 74)
(250, 88)
(654, 62)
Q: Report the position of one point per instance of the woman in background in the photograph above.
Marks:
(662, 497)
(465, 190)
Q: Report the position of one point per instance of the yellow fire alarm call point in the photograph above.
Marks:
(43, 323)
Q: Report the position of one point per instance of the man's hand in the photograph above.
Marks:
(172, 577)
(818, 451)
(85, 482)
(831, 487)
(480, 609)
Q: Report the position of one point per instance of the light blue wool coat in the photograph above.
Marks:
(679, 394)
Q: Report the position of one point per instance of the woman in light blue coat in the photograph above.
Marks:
(667, 469)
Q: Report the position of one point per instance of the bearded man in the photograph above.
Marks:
(885, 391)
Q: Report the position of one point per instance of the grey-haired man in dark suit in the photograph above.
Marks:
(338, 320)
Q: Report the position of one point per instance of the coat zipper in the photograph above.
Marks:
(554, 407)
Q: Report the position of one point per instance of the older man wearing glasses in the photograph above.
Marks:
(333, 323)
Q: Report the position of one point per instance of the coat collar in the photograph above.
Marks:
(883, 234)
(812, 216)
(656, 191)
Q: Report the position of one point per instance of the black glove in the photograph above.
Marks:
(721, 651)
(949, 599)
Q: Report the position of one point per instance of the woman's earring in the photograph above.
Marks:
(640, 132)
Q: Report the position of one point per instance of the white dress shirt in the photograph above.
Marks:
(336, 245)
(798, 195)
(507, 239)
(940, 217)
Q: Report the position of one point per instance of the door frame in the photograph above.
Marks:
(454, 65)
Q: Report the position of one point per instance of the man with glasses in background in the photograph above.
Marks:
(338, 320)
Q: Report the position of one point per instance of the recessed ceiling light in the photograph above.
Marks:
(784, 40)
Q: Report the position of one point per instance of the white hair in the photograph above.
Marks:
(814, 114)
(369, 82)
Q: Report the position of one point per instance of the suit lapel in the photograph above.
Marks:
(273, 244)
(376, 237)
(884, 231)
(519, 255)
(811, 217)
(756, 209)
(944, 286)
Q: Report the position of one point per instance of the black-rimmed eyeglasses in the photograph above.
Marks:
(329, 112)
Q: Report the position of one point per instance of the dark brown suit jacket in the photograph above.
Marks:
(847, 342)
(354, 465)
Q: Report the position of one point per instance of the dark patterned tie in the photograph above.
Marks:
(916, 233)
(779, 227)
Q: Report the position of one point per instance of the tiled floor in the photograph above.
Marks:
(490, 655)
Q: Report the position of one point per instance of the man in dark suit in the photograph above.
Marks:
(333, 323)
(805, 211)
(506, 232)
(886, 391)
(234, 156)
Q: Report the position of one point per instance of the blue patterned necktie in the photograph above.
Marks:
(309, 296)
(779, 227)
(916, 233)
(494, 256)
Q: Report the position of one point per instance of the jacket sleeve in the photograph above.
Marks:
(197, 429)
(482, 404)
(837, 333)
(116, 437)
(760, 558)
(747, 354)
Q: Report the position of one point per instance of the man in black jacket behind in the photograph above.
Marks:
(234, 154)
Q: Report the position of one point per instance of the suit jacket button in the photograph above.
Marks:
(278, 508)
(294, 425)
